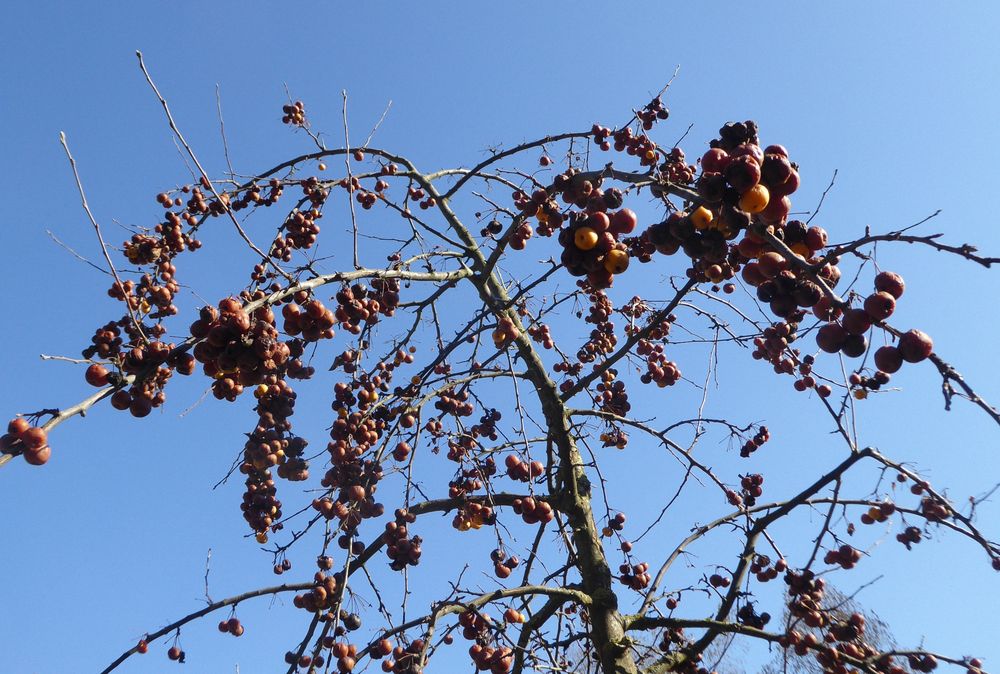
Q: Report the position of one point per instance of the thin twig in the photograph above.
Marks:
(377, 124)
(350, 181)
(100, 237)
(222, 129)
(75, 254)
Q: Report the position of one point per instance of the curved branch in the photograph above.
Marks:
(231, 601)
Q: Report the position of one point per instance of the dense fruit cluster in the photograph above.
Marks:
(105, 343)
(602, 339)
(401, 550)
(359, 305)
(503, 565)
(540, 334)
(756, 442)
(294, 114)
(232, 626)
(611, 395)
(496, 660)
(747, 615)
(911, 536)
(659, 369)
(846, 556)
(261, 507)
(523, 471)
(763, 570)
(652, 112)
(473, 515)
(675, 168)
(752, 487)
(806, 592)
(31, 441)
(533, 510)
(237, 349)
(592, 246)
(934, 510)
(300, 230)
(312, 320)
(879, 513)
(635, 576)
(323, 594)
(614, 436)
(773, 346)
(151, 369)
(505, 332)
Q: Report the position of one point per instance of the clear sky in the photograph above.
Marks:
(109, 540)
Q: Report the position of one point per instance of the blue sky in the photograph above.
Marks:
(109, 540)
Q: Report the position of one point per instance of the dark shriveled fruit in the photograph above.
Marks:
(854, 346)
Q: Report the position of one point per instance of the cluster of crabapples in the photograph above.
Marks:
(294, 113)
(232, 626)
(345, 654)
(756, 442)
(635, 576)
(835, 638)
(31, 441)
(846, 328)
(523, 471)
(503, 565)
(476, 627)
(736, 223)
(752, 488)
(591, 245)
(845, 556)
(401, 550)
(533, 510)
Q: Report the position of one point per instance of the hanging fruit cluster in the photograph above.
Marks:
(533, 510)
(635, 576)
(402, 551)
(358, 304)
(323, 594)
(503, 565)
(523, 471)
(756, 442)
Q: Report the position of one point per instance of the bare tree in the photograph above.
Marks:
(525, 392)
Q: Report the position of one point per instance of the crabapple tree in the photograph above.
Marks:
(484, 353)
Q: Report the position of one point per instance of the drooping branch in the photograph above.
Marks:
(229, 601)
